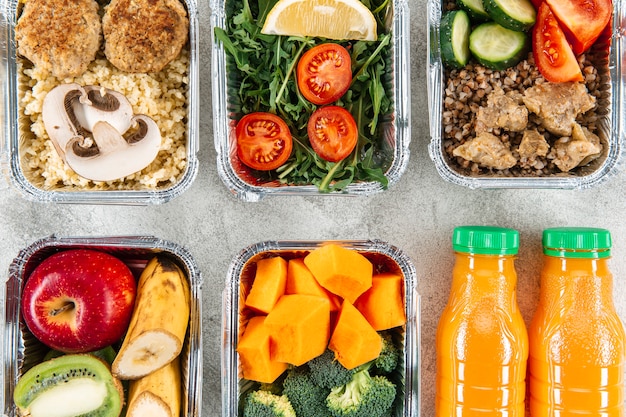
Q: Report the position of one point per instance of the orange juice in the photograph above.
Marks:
(482, 344)
(576, 364)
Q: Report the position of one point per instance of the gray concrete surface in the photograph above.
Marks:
(417, 215)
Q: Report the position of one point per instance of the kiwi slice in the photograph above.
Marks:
(69, 385)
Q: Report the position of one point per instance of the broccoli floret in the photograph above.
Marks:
(263, 403)
(363, 396)
(307, 398)
(327, 372)
(389, 356)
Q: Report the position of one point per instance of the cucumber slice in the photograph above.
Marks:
(454, 31)
(519, 15)
(497, 47)
(474, 9)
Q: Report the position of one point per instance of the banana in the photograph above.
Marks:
(157, 394)
(159, 321)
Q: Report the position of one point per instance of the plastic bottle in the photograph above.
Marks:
(576, 364)
(482, 342)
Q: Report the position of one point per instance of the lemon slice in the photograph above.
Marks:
(331, 19)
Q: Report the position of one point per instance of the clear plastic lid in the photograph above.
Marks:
(577, 242)
(485, 240)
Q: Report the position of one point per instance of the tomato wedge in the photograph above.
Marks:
(582, 20)
(324, 73)
(554, 57)
(332, 133)
(264, 141)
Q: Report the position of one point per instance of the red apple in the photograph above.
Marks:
(79, 300)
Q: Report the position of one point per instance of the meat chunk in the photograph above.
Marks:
(60, 37)
(579, 149)
(559, 104)
(533, 145)
(487, 150)
(144, 35)
(532, 149)
(506, 111)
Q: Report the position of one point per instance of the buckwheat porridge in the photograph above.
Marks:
(522, 125)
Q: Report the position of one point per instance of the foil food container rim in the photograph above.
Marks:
(10, 164)
(614, 160)
(231, 389)
(401, 115)
(17, 338)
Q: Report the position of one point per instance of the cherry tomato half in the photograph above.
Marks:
(582, 20)
(324, 73)
(332, 133)
(264, 141)
(554, 57)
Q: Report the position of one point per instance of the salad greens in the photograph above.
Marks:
(262, 77)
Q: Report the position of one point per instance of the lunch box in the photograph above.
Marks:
(239, 280)
(18, 169)
(610, 123)
(21, 350)
(396, 127)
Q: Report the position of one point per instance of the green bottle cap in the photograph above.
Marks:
(577, 242)
(485, 240)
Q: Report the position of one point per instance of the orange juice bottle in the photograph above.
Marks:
(576, 364)
(482, 344)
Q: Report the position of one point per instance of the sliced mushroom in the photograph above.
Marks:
(105, 106)
(116, 156)
(58, 114)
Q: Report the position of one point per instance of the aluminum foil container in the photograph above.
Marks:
(239, 280)
(610, 110)
(16, 133)
(21, 350)
(396, 127)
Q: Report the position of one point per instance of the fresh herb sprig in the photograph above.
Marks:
(262, 77)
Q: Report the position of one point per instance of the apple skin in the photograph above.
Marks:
(79, 300)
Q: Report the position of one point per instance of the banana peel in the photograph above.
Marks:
(159, 322)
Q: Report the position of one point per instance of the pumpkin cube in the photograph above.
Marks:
(301, 281)
(268, 285)
(254, 353)
(383, 304)
(354, 340)
(299, 327)
(342, 271)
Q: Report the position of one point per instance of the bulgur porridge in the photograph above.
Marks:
(161, 96)
(158, 95)
(470, 92)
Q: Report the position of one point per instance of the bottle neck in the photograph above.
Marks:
(485, 275)
(589, 280)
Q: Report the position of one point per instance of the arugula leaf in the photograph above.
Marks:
(262, 78)
(264, 8)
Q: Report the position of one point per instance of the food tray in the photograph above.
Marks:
(611, 114)
(156, 184)
(21, 350)
(239, 279)
(394, 140)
